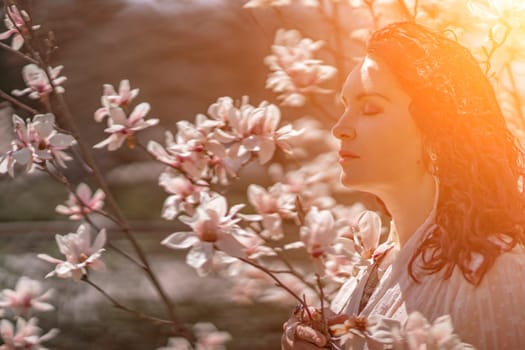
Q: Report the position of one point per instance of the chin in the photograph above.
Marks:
(354, 182)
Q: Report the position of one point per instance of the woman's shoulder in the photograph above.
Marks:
(491, 315)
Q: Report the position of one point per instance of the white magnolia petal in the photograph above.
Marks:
(180, 240)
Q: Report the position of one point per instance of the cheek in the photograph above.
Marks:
(394, 144)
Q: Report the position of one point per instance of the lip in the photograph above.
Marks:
(347, 155)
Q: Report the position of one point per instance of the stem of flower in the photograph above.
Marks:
(277, 280)
(14, 101)
(120, 306)
(18, 53)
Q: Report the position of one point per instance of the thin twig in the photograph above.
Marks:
(14, 101)
(277, 280)
(63, 180)
(120, 306)
(323, 315)
(18, 53)
(495, 45)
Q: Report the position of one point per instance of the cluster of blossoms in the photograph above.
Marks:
(23, 335)
(120, 126)
(37, 81)
(295, 72)
(16, 23)
(82, 202)
(414, 334)
(79, 252)
(36, 142)
(216, 146)
(208, 338)
(27, 297)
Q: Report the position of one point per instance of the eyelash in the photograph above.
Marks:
(370, 108)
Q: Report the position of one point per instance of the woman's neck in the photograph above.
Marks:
(410, 203)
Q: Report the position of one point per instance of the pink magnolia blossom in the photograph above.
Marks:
(112, 99)
(271, 207)
(266, 3)
(37, 82)
(177, 343)
(208, 338)
(184, 156)
(318, 232)
(122, 128)
(25, 336)
(279, 3)
(185, 195)
(36, 142)
(275, 200)
(294, 71)
(26, 297)
(15, 21)
(196, 154)
(254, 129)
(82, 202)
(418, 333)
(212, 225)
(368, 232)
(79, 252)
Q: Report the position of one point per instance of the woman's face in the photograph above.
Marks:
(380, 144)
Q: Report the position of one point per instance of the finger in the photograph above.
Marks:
(297, 344)
(310, 335)
(287, 340)
(337, 319)
(304, 345)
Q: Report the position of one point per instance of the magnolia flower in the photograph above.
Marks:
(254, 129)
(177, 343)
(182, 154)
(79, 252)
(367, 233)
(26, 335)
(37, 82)
(195, 153)
(26, 296)
(266, 3)
(212, 225)
(15, 21)
(185, 195)
(82, 202)
(112, 99)
(417, 333)
(275, 200)
(279, 3)
(208, 338)
(36, 142)
(318, 231)
(294, 71)
(123, 128)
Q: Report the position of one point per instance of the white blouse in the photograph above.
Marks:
(489, 316)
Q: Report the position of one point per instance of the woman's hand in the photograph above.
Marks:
(300, 332)
(299, 336)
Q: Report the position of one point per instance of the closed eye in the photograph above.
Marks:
(371, 108)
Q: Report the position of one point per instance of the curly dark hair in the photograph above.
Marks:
(480, 164)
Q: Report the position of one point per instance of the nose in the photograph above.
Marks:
(343, 130)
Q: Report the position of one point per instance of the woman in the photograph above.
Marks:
(423, 131)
